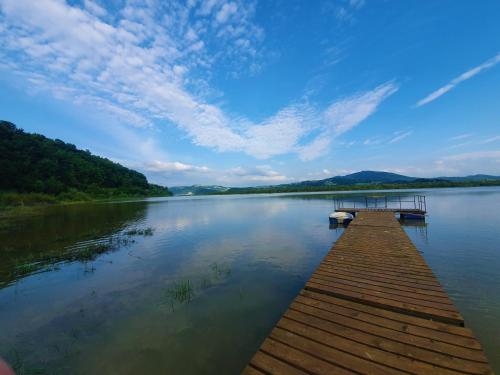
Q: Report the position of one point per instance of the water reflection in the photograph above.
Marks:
(212, 270)
(38, 243)
(416, 226)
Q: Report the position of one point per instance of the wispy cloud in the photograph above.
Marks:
(473, 142)
(151, 65)
(461, 78)
(343, 115)
(467, 163)
(371, 142)
(399, 136)
(384, 140)
(476, 155)
(344, 10)
(461, 136)
(490, 140)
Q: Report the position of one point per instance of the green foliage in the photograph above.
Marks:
(39, 169)
(16, 199)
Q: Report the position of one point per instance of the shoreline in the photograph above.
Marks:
(356, 188)
(24, 210)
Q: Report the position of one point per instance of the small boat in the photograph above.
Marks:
(412, 216)
(340, 217)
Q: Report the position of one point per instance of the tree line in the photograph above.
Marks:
(374, 186)
(33, 163)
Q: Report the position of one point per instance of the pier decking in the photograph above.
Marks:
(373, 306)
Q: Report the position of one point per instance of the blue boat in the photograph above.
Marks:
(412, 216)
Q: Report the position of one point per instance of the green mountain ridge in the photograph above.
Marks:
(197, 189)
(32, 163)
(362, 179)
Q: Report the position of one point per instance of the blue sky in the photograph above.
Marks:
(259, 92)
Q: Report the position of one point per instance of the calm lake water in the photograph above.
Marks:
(193, 285)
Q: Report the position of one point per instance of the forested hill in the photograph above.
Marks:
(32, 163)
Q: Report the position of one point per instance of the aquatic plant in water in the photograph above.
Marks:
(181, 291)
(91, 252)
(220, 270)
(140, 232)
(46, 261)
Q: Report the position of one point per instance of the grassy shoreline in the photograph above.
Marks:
(14, 205)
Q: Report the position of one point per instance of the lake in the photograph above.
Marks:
(193, 285)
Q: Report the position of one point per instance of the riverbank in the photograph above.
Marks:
(13, 205)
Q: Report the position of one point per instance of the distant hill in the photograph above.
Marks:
(197, 189)
(363, 177)
(475, 177)
(32, 163)
(354, 181)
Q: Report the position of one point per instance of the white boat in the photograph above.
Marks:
(341, 217)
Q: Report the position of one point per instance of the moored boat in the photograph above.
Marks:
(340, 217)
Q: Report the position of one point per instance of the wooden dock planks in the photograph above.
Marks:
(373, 306)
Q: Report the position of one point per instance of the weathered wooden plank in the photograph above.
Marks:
(367, 352)
(271, 365)
(413, 293)
(372, 306)
(406, 320)
(386, 303)
(442, 359)
(363, 330)
(378, 282)
(429, 284)
(300, 360)
(459, 336)
(331, 354)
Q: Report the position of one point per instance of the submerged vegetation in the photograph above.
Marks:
(37, 170)
(140, 232)
(183, 291)
(47, 261)
(180, 291)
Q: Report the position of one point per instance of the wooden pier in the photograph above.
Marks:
(373, 306)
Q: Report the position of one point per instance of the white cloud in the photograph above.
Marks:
(461, 78)
(94, 8)
(259, 174)
(400, 136)
(144, 69)
(173, 167)
(316, 148)
(226, 11)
